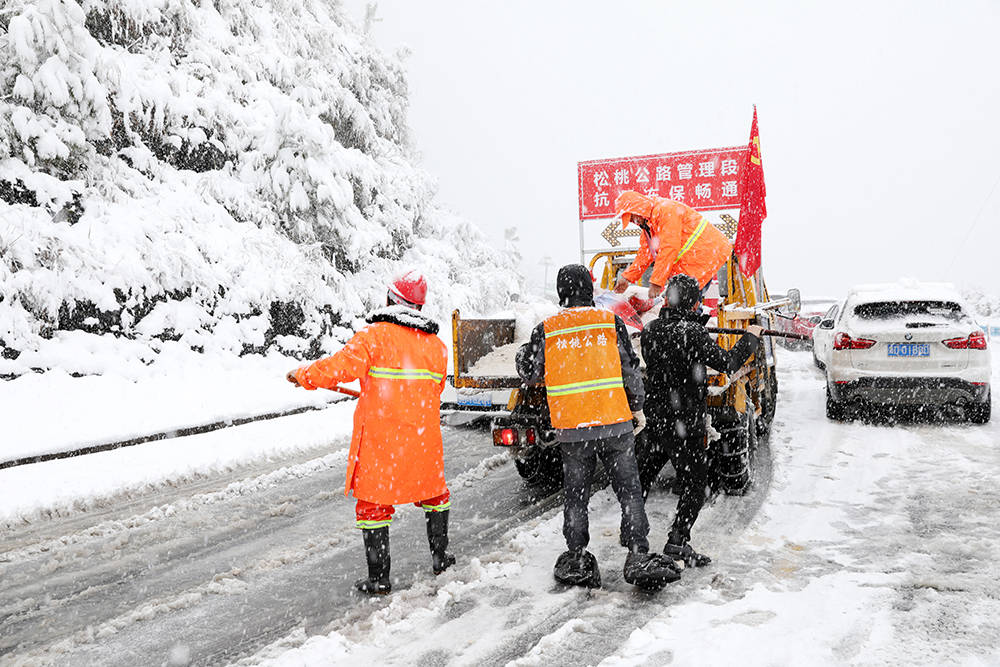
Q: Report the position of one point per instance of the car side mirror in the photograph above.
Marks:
(826, 324)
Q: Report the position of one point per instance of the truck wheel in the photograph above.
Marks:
(834, 409)
(540, 466)
(979, 413)
(739, 456)
(769, 402)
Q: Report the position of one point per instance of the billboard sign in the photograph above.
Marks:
(706, 180)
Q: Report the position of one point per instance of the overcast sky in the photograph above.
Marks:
(879, 121)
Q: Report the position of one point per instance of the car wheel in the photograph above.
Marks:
(819, 364)
(979, 413)
(834, 409)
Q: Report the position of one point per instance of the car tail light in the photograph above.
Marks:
(975, 341)
(957, 343)
(844, 342)
(505, 437)
(530, 436)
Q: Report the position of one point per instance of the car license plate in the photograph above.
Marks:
(480, 400)
(909, 350)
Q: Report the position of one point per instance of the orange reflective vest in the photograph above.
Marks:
(583, 373)
(396, 450)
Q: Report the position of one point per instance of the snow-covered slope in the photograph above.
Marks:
(230, 174)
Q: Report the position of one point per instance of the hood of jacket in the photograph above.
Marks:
(631, 201)
(682, 292)
(575, 286)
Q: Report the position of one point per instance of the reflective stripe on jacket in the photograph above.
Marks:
(396, 448)
(688, 243)
(583, 374)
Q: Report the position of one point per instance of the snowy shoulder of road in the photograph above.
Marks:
(876, 544)
(105, 389)
(129, 391)
(56, 412)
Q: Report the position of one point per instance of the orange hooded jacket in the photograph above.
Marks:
(678, 241)
(396, 451)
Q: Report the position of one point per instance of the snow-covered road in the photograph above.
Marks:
(866, 544)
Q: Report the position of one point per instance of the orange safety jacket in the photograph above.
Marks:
(680, 241)
(396, 453)
(583, 373)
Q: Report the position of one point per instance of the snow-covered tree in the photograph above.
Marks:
(227, 172)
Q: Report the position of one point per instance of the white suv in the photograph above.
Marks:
(908, 344)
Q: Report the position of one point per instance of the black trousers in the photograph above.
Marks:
(681, 441)
(618, 456)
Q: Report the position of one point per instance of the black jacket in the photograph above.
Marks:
(677, 348)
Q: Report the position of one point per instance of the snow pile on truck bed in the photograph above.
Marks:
(223, 174)
(498, 363)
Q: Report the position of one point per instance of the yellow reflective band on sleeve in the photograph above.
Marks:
(693, 238)
(436, 508)
(585, 327)
(588, 385)
(371, 525)
(405, 374)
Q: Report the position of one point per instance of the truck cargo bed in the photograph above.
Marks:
(481, 349)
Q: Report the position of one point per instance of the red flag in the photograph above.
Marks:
(753, 210)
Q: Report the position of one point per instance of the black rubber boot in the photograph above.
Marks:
(650, 571)
(377, 554)
(682, 551)
(578, 568)
(437, 537)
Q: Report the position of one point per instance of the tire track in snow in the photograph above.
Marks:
(115, 586)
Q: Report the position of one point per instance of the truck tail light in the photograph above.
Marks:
(844, 342)
(531, 436)
(505, 437)
(975, 341)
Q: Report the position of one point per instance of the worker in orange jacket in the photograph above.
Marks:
(396, 451)
(675, 237)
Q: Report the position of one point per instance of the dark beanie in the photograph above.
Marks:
(683, 292)
(574, 286)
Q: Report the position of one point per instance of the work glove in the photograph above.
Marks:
(654, 290)
(620, 285)
(638, 422)
(756, 330)
(290, 376)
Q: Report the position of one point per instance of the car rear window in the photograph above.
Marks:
(888, 310)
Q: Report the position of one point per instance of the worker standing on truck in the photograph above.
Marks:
(677, 349)
(594, 392)
(396, 450)
(675, 237)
